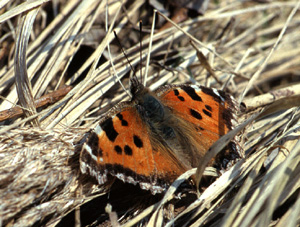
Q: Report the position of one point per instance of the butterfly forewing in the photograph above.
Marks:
(121, 147)
(211, 111)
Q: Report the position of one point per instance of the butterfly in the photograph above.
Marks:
(156, 136)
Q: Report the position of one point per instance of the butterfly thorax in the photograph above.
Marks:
(153, 112)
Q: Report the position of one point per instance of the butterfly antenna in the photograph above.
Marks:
(123, 51)
(141, 49)
(150, 46)
(109, 53)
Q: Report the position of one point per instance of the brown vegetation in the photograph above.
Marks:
(253, 49)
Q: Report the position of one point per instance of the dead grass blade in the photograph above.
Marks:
(26, 6)
(263, 65)
(23, 85)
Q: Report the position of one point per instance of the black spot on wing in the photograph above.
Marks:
(123, 122)
(206, 112)
(192, 93)
(209, 91)
(118, 149)
(108, 128)
(208, 107)
(127, 150)
(176, 92)
(86, 157)
(137, 141)
(195, 114)
(181, 98)
(228, 116)
(93, 143)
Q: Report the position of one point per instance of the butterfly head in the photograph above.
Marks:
(147, 103)
(136, 87)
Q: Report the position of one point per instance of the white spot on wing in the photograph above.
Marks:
(144, 185)
(98, 130)
(89, 150)
(154, 189)
(131, 180)
(120, 176)
(102, 179)
(197, 88)
(218, 94)
(83, 167)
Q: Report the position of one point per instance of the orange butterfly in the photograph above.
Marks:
(157, 136)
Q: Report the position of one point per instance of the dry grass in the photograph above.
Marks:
(254, 49)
